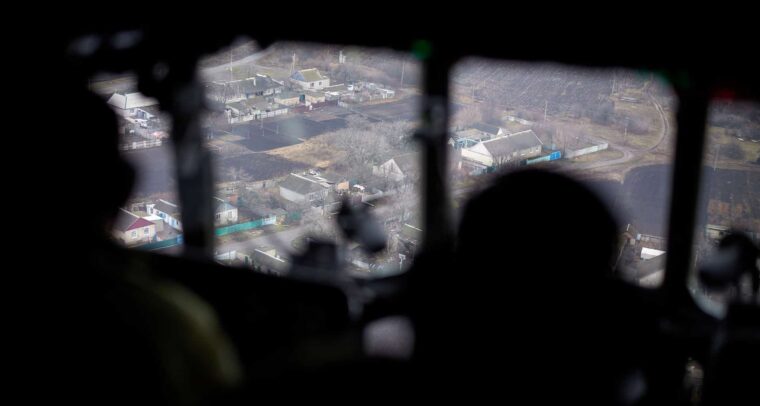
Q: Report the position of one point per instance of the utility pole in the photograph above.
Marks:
(625, 135)
(293, 63)
(403, 65)
(546, 107)
(715, 160)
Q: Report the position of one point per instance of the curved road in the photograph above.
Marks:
(628, 152)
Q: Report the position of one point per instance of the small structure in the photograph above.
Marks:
(224, 213)
(132, 230)
(309, 79)
(168, 211)
(488, 130)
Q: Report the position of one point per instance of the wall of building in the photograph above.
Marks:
(478, 154)
(227, 217)
(139, 235)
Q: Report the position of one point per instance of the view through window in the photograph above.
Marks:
(730, 191)
(150, 218)
(610, 128)
(298, 129)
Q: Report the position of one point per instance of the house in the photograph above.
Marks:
(253, 109)
(236, 90)
(402, 167)
(309, 79)
(238, 112)
(288, 98)
(262, 108)
(168, 211)
(224, 213)
(304, 188)
(311, 97)
(132, 229)
(502, 150)
(127, 103)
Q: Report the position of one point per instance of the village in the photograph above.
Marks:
(292, 142)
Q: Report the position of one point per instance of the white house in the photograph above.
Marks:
(501, 150)
(168, 211)
(224, 213)
(309, 79)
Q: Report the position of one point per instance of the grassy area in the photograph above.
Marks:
(718, 136)
(313, 152)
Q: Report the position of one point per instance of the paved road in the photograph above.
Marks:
(281, 241)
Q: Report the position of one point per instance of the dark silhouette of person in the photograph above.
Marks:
(115, 331)
(542, 316)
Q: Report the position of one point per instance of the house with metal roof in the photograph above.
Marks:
(132, 229)
(302, 188)
(502, 150)
(309, 79)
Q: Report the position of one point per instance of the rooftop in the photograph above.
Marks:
(507, 144)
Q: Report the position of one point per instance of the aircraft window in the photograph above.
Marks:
(144, 142)
(295, 129)
(730, 190)
(613, 129)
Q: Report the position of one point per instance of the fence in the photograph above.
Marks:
(250, 225)
(555, 155)
(220, 231)
(157, 245)
(140, 145)
(585, 151)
